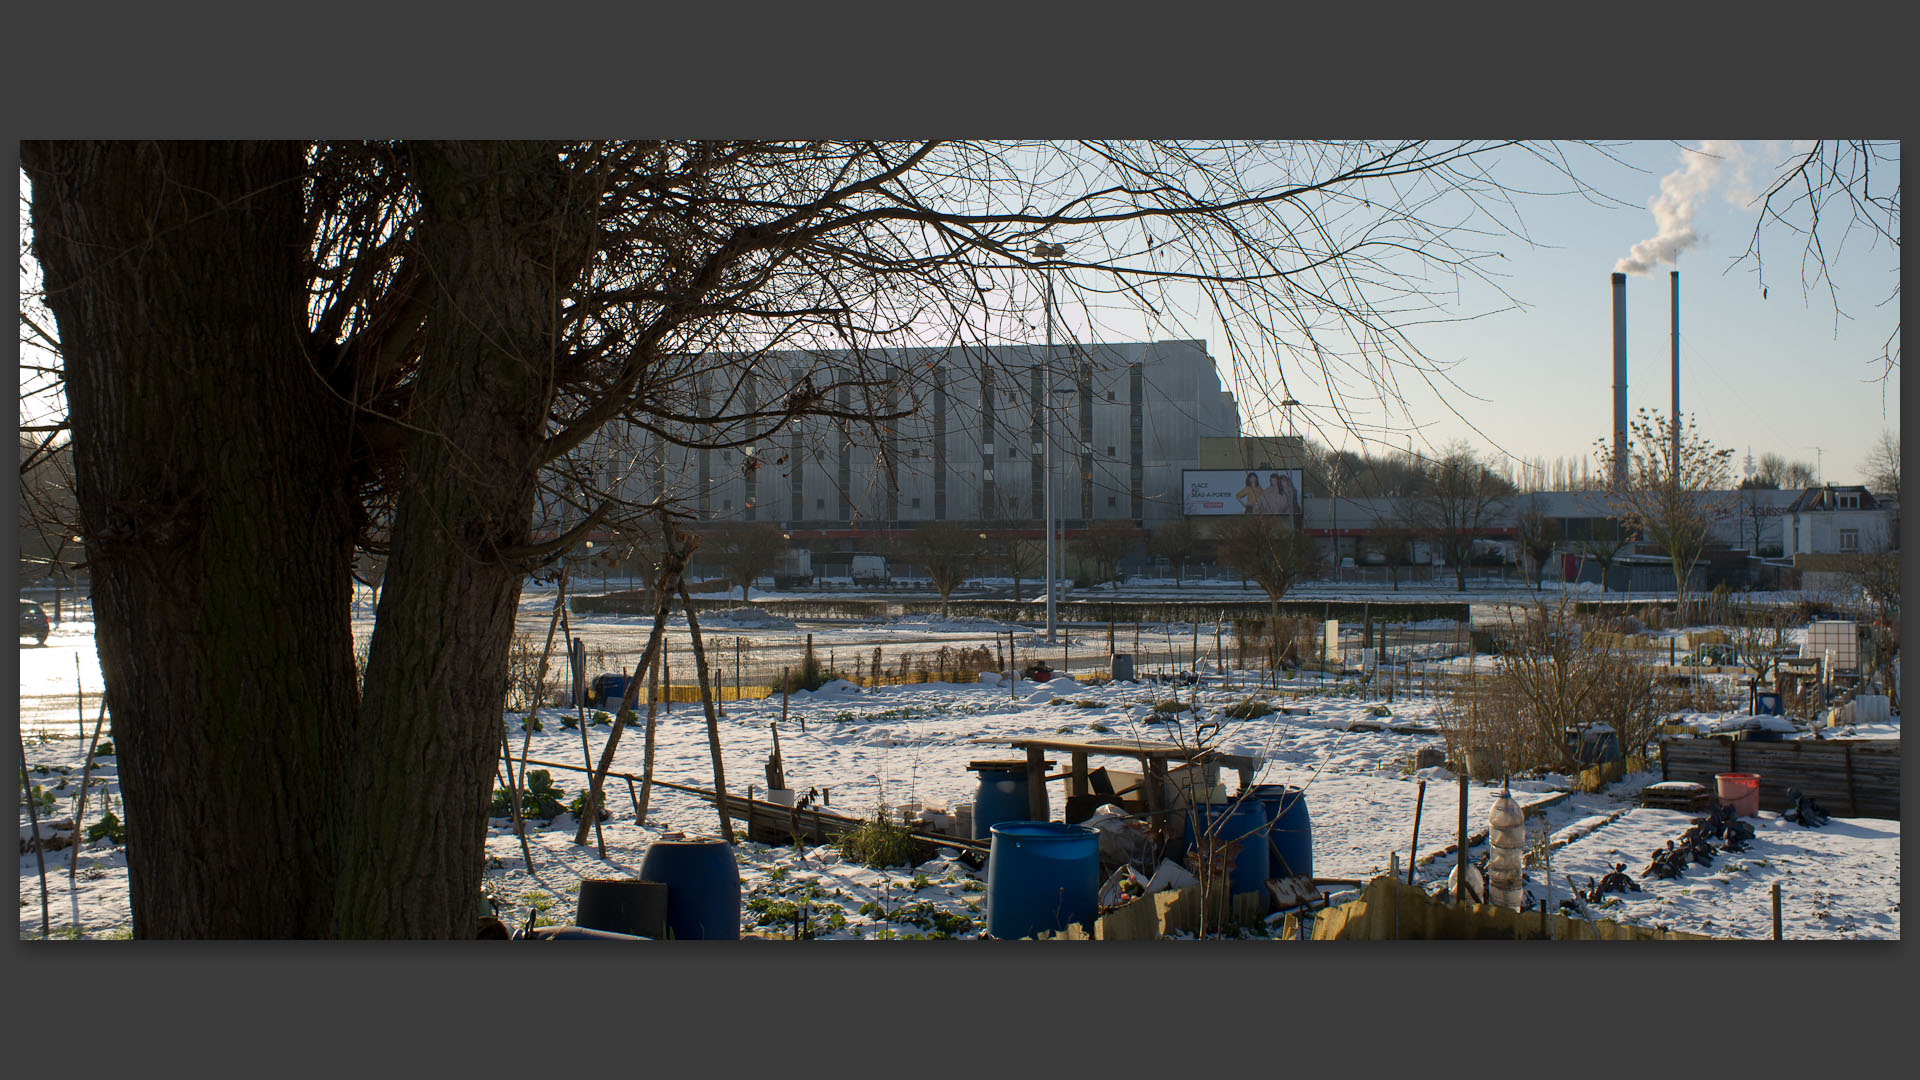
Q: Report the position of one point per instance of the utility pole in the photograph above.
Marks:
(1049, 251)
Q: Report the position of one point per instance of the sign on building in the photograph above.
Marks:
(1224, 492)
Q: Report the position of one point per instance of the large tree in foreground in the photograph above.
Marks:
(279, 358)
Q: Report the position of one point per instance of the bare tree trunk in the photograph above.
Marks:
(499, 235)
(202, 605)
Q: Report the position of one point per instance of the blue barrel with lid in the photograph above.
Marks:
(1042, 876)
(1002, 795)
(1291, 834)
(703, 887)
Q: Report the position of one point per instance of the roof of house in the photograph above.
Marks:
(1826, 498)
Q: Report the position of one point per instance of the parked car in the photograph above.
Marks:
(33, 622)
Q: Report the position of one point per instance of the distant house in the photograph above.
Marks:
(1843, 520)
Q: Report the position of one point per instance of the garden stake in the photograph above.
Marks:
(1460, 887)
(673, 567)
(39, 848)
(80, 804)
(1419, 800)
(713, 720)
(1776, 912)
(589, 804)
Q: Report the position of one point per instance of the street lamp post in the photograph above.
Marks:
(1049, 251)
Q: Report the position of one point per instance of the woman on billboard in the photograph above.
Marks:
(1250, 496)
(1278, 498)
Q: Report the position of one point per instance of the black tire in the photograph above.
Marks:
(42, 639)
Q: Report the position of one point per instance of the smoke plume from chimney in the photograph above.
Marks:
(1673, 208)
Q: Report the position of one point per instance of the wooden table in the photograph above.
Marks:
(1153, 756)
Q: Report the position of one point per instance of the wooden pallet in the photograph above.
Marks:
(1677, 795)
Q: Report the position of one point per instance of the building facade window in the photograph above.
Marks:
(1849, 539)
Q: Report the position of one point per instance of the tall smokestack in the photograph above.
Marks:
(1619, 383)
(1676, 373)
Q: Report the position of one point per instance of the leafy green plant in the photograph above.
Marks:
(108, 828)
(539, 799)
(105, 749)
(1248, 708)
(1099, 727)
(878, 842)
(43, 799)
(578, 807)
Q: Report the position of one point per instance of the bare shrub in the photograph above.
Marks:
(1560, 677)
(523, 666)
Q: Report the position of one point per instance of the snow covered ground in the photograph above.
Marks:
(895, 745)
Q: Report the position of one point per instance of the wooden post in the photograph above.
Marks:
(1776, 912)
(713, 719)
(1460, 886)
(786, 684)
(1037, 783)
(673, 566)
(1393, 873)
(1413, 850)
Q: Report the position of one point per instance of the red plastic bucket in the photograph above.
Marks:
(1740, 790)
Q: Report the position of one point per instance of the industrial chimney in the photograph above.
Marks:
(1676, 373)
(1619, 383)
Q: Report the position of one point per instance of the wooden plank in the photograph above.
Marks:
(1037, 783)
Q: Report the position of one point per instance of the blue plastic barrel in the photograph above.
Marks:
(703, 887)
(1042, 876)
(1242, 821)
(1002, 796)
(608, 688)
(1292, 833)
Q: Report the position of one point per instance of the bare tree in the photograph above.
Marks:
(1393, 542)
(1539, 535)
(1104, 544)
(1672, 503)
(1823, 195)
(1776, 472)
(1174, 542)
(1606, 540)
(948, 553)
(1271, 553)
(1882, 467)
(744, 549)
(1875, 575)
(416, 345)
(1457, 497)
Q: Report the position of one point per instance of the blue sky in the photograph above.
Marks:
(1772, 374)
(1532, 372)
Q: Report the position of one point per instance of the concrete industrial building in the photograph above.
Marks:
(1129, 418)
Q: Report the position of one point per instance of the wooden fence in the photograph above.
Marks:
(1847, 777)
(1389, 910)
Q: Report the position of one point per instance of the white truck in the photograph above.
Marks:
(869, 570)
(795, 568)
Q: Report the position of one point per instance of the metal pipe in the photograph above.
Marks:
(1619, 383)
(1676, 373)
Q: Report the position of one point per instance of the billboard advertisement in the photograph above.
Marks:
(1224, 492)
